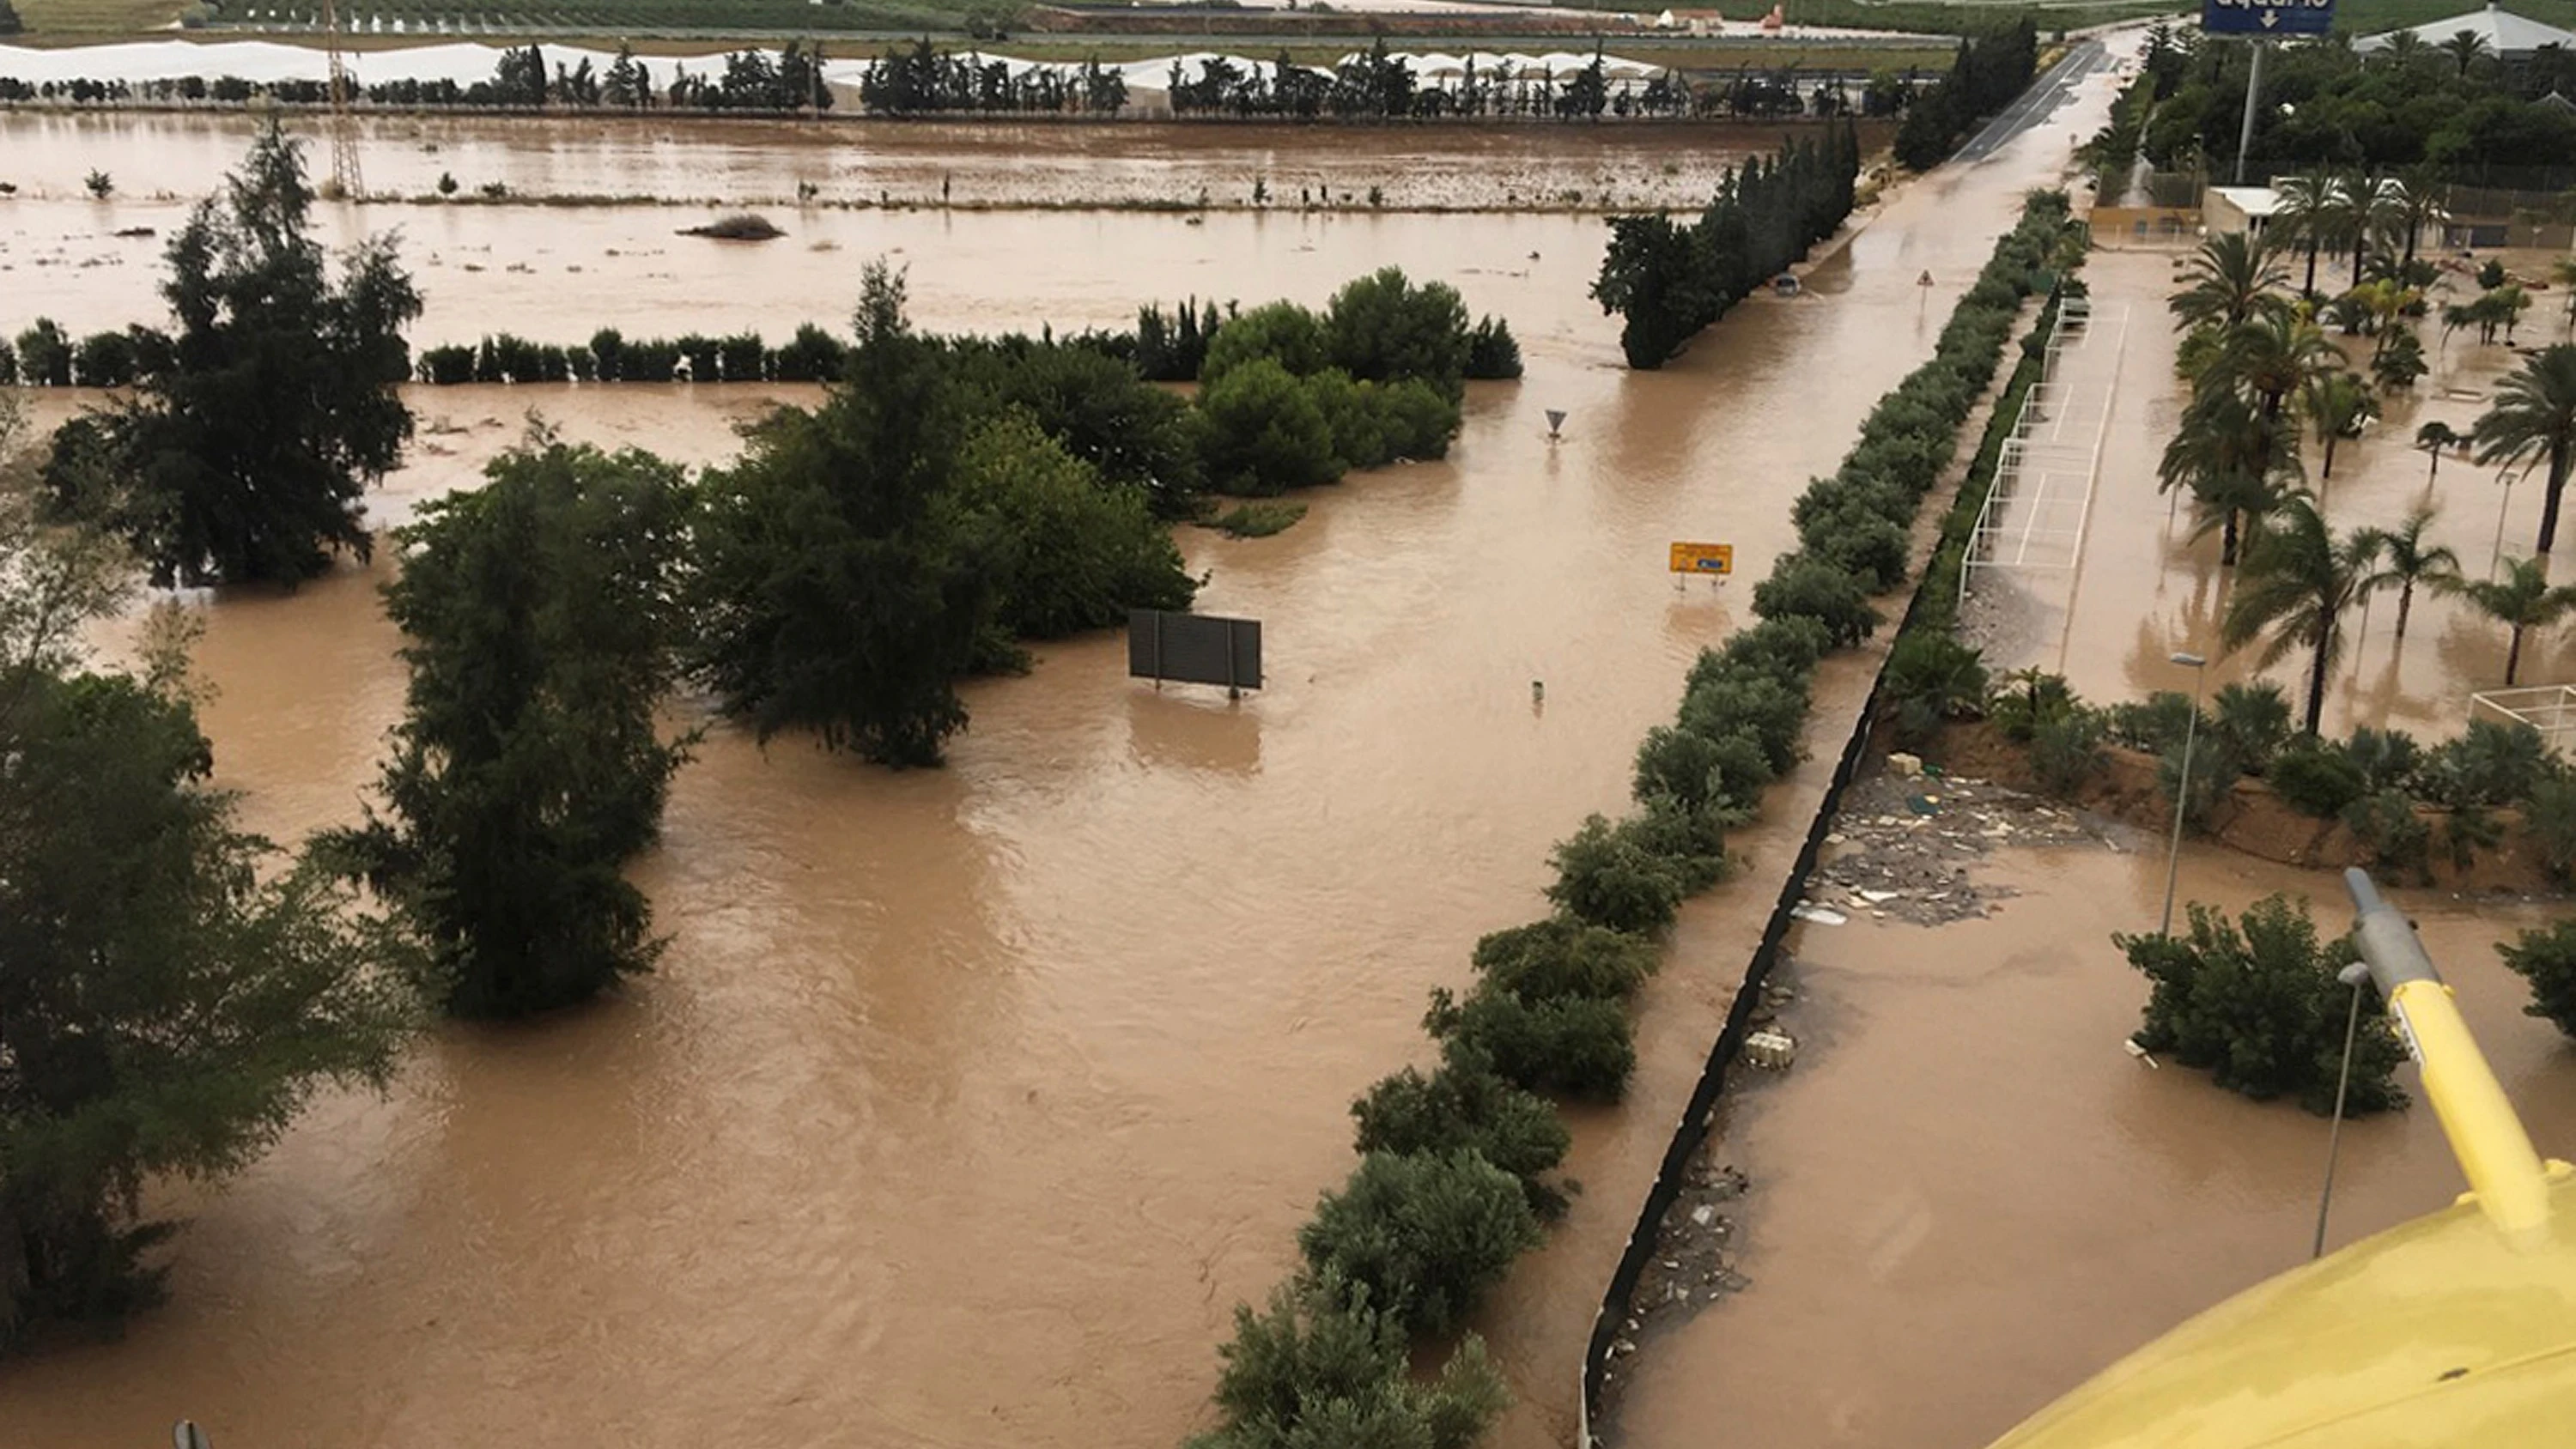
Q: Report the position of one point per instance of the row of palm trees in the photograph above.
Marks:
(2350, 214)
(2261, 372)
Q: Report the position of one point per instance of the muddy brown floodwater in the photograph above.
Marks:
(151, 157)
(967, 1103)
(1966, 1198)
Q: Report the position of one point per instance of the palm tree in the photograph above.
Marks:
(2272, 357)
(2433, 438)
(2563, 272)
(2233, 278)
(2510, 302)
(2300, 219)
(2298, 580)
(2535, 416)
(2358, 215)
(2406, 562)
(2467, 47)
(2405, 50)
(2521, 601)
(2337, 404)
(2233, 460)
(2413, 201)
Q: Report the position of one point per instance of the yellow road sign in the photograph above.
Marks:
(1703, 558)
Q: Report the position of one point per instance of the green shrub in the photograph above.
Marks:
(1264, 432)
(2490, 764)
(1259, 520)
(2386, 825)
(2252, 720)
(2214, 773)
(1808, 587)
(1786, 649)
(2027, 699)
(2550, 816)
(1281, 333)
(2154, 724)
(2317, 781)
(2546, 958)
(1719, 777)
(1426, 1234)
(1466, 1106)
(2066, 750)
(1691, 842)
(1930, 677)
(2387, 759)
(2259, 1005)
(1567, 1046)
(1861, 543)
(1607, 877)
(1491, 351)
(1326, 1366)
(1772, 712)
(1558, 957)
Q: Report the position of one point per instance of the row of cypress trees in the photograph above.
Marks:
(1666, 280)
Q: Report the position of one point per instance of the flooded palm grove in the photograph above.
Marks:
(966, 1104)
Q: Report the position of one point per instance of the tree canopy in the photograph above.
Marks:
(259, 424)
(171, 988)
(541, 617)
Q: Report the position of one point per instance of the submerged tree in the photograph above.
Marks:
(541, 616)
(2522, 601)
(260, 425)
(2534, 416)
(170, 990)
(834, 592)
(2256, 1001)
(2298, 580)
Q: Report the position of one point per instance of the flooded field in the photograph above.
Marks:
(1966, 1198)
(155, 157)
(967, 1103)
(2144, 587)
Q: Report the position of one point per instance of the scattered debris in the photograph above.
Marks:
(1905, 765)
(1902, 853)
(1771, 1049)
(741, 226)
(1821, 915)
(2130, 1044)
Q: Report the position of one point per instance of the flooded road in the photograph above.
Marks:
(1967, 1198)
(966, 1104)
(2146, 588)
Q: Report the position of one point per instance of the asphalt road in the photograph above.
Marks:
(2036, 104)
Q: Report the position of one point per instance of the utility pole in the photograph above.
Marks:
(2253, 94)
(344, 146)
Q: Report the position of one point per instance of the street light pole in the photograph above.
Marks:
(2182, 787)
(2253, 94)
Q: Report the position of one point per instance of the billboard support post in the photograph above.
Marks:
(2253, 93)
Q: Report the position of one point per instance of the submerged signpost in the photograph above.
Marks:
(1194, 648)
(1714, 561)
(2261, 19)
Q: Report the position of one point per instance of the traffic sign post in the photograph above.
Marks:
(1714, 559)
(2261, 19)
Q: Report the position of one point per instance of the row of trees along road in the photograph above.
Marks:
(1668, 280)
(1987, 74)
(170, 990)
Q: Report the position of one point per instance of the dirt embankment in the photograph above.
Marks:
(2253, 818)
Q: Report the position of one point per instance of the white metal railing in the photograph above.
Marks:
(2039, 504)
(2548, 708)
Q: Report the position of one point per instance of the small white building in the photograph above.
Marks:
(2509, 37)
(2226, 210)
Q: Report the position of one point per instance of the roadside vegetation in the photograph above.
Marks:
(1668, 280)
(2411, 111)
(1456, 1172)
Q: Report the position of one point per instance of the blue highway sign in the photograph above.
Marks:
(2266, 17)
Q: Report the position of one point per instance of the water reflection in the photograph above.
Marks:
(1175, 727)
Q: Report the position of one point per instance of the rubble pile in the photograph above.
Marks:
(1902, 844)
